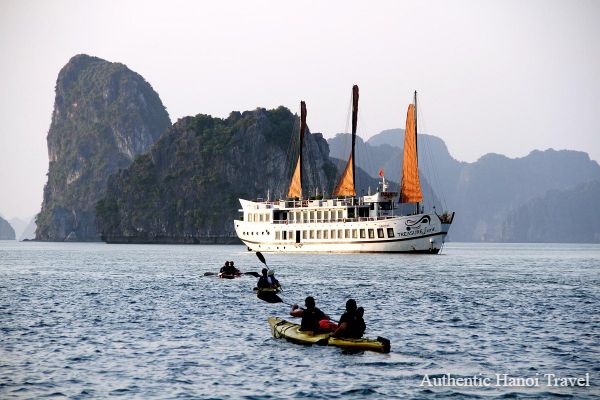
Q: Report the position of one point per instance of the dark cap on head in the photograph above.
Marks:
(264, 271)
(309, 302)
(351, 305)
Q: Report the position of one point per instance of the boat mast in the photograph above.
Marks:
(302, 130)
(354, 123)
(416, 142)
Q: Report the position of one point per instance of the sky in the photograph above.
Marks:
(505, 77)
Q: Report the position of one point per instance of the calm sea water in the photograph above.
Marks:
(141, 321)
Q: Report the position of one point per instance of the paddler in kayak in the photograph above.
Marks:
(311, 315)
(273, 282)
(263, 281)
(352, 325)
(229, 269)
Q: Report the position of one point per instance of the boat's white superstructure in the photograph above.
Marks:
(368, 224)
(345, 222)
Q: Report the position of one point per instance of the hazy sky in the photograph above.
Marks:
(505, 77)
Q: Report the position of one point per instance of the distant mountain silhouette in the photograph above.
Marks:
(567, 216)
(6, 231)
(482, 193)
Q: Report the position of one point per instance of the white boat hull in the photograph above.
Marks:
(421, 233)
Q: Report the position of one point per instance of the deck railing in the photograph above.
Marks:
(329, 221)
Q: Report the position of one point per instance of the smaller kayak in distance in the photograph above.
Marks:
(281, 328)
(224, 275)
(231, 276)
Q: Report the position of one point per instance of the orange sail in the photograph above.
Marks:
(410, 191)
(345, 186)
(295, 189)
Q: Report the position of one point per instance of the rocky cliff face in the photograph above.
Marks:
(560, 216)
(104, 115)
(494, 186)
(186, 189)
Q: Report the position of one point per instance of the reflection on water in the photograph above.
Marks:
(97, 320)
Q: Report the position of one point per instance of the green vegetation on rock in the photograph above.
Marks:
(186, 189)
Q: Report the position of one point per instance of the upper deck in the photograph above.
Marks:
(378, 206)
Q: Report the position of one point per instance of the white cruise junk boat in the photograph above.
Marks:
(347, 223)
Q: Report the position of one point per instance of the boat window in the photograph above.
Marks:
(340, 214)
(305, 216)
(267, 217)
(380, 232)
(312, 216)
(372, 234)
(312, 234)
(291, 235)
(347, 233)
(340, 234)
(277, 235)
(303, 234)
(284, 235)
(319, 234)
(351, 212)
(354, 233)
(333, 215)
(319, 216)
(390, 232)
(385, 205)
(261, 217)
(333, 233)
(362, 233)
(325, 234)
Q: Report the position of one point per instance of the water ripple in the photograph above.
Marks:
(95, 320)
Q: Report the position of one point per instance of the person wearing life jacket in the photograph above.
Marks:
(229, 269)
(224, 267)
(360, 322)
(311, 315)
(273, 282)
(233, 269)
(350, 325)
(263, 280)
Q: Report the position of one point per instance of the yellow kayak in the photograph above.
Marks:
(281, 328)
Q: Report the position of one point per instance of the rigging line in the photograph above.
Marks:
(345, 146)
(292, 152)
(292, 149)
(433, 164)
(365, 155)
